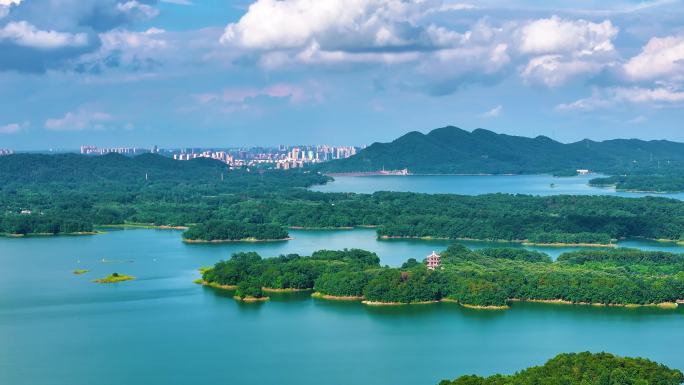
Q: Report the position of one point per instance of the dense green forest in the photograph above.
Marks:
(249, 272)
(215, 230)
(583, 369)
(487, 278)
(59, 194)
(565, 219)
(68, 193)
(673, 182)
(451, 150)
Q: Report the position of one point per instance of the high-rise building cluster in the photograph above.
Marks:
(282, 157)
(223, 156)
(93, 150)
(5, 151)
(299, 155)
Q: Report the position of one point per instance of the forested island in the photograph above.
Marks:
(583, 369)
(488, 278)
(67, 194)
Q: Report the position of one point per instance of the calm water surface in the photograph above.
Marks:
(476, 184)
(58, 328)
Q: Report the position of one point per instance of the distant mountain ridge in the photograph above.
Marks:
(451, 150)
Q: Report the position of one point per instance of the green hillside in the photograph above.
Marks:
(453, 150)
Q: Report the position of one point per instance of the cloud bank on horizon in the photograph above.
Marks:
(199, 73)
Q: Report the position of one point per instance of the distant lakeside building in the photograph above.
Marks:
(434, 261)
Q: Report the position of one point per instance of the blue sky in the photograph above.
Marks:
(217, 73)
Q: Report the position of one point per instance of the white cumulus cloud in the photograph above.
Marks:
(25, 34)
(333, 24)
(577, 37)
(549, 51)
(660, 59)
(83, 119)
(563, 49)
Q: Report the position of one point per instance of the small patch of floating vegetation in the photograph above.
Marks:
(115, 278)
(80, 271)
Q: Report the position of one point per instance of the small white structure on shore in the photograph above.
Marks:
(583, 171)
(433, 261)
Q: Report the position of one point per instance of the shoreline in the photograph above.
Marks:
(561, 244)
(629, 190)
(286, 290)
(476, 307)
(41, 235)
(662, 305)
(329, 297)
(143, 226)
(215, 285)
(371, 173)
(318, 295)
(251, 299)
(380, 303)
(520, 241)
(305, 228)
(250, 240)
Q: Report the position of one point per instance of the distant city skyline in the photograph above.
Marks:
(264, 72)
(280, 157)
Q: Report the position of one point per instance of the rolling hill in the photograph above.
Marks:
(451, 150)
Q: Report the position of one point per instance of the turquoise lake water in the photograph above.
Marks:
(475, 184)
(59, 328)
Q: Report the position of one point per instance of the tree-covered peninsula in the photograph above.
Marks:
(69, 193)
(489, 278)
(218, 231)
(66, 194)
(583, 369)
(658, 182)
(553, 219)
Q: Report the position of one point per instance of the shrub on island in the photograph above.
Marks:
(115, 278)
